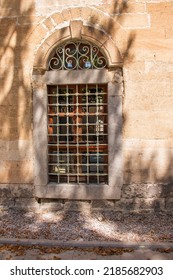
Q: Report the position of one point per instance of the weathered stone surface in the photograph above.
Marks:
(140, 204)
(133, 191)
(125, 205)
(26, 203)
(5, 191)
(16, 190)
(16, 172)
(77, 206)
(6, 203)
(103, 204)
(51, 205)
(143, 35)
(150, 204)
(22, 190)
(169, 204)
(134, 20)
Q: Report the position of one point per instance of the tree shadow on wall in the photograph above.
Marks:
(151, 196)
(16, 95)
(156, 188)
(16, 118)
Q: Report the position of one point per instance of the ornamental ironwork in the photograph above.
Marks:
(77, 55)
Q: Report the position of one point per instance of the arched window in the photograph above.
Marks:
(77, 124)
(77, 119)
(76, 55)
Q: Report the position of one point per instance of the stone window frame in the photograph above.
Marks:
(44, 189)
(113, 77)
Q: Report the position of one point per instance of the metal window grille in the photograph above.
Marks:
(77, 55)
(77, 134)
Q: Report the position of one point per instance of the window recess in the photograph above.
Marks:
(78, 134)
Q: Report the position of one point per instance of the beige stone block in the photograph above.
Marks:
(49, 23)
(86, 13)
(16, 127)
(148, 125)
(145, 173)
(16, 171)
(58, 35)
(37, 35)
(16, 150)
(150, 35)
(112, 8)
(66, 14)
(154, 47)
(148, 71)
(149, 102)
(97, 17)
(44, 50)
(76, 13)
(109, 24)
(76, 29)
(119, 7)
(7, 27)
(134, 20)
(21, 20)
(160, 7)
(90, 33)
(169, 32)
(147, 88)
(130, 143)
(111, 49)
(145, 48)
(133, 7)
(161, 20)
(57, 17)
(13, 8)
(23, 33)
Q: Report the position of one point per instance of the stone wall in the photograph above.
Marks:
(142, 31)
(134, 198)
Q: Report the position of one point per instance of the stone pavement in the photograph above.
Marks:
(29, 249)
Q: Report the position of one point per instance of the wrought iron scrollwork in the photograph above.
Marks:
(77, 55)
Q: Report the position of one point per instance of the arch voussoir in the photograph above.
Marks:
(80, 29)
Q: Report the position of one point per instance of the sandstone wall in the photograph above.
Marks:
(142, 30)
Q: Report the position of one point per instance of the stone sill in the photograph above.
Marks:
(78, 191)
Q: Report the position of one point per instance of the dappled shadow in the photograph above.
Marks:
(15, 103)
(92, 226)
(75, 222)
(144, 200)
(15, 99)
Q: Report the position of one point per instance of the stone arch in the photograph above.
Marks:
(76, 29)
(53, 31)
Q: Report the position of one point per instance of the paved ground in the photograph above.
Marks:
(25, 249)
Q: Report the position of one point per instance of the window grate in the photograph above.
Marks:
(77, 55)
(77, 134)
